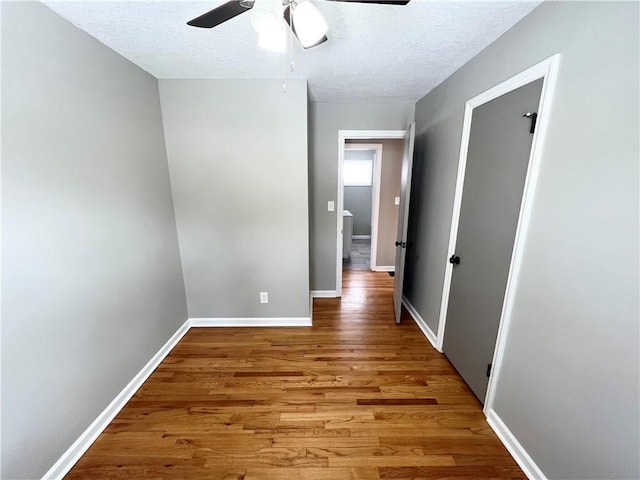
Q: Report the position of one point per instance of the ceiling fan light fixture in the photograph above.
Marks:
(309, 24)
(273, 40)
(266, 16)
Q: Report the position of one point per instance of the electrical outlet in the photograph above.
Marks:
(396, 201)
(264, 297)
(331, 206)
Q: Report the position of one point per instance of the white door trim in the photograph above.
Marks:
(344, 135)
(375, 193)
(547, 70)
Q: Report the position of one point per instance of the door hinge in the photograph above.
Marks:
(488, 370)
(533, 116)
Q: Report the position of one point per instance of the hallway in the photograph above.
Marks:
(353, 397)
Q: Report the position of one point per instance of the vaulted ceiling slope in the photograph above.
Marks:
(375, 53)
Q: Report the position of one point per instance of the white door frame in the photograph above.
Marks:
(547, 70)
(344, 135)
(375, 192)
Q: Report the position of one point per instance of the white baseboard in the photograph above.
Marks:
(251, 322)
(422, 325)
(361, 237)
(517, 451)
(84, 441)
(324, 293)
(388, 268)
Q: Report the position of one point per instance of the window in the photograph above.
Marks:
(358, 173)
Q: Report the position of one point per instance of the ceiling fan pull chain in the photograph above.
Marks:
(291, 8)
(284, 74)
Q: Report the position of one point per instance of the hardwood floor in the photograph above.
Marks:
(353, 397)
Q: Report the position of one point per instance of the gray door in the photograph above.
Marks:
(403, 219)
(497, 161)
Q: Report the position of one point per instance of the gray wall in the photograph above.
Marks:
(569, 386)
(326, 120)
(358, 201)
(91, 278)
(238, 160)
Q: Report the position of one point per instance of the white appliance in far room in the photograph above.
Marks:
(347, 232)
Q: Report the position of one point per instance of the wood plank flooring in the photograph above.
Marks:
(353, 397)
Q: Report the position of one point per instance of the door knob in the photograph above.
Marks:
(401, 244)
(455, 260)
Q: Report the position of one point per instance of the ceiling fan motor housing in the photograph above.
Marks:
(311, 26)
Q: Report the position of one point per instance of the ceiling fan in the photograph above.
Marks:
(301, 16)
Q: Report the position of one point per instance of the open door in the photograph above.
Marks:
(403, 219)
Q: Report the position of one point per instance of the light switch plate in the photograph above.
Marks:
(331, 206)
(396, 201)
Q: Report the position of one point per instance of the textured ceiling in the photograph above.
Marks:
(375, 53)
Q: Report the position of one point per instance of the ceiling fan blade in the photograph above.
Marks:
(379, 2)
(221, 14)
(287, 18)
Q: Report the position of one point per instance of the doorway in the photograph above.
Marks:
(389, 202)
(361, 196)
(497, 162)
(503, 134)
